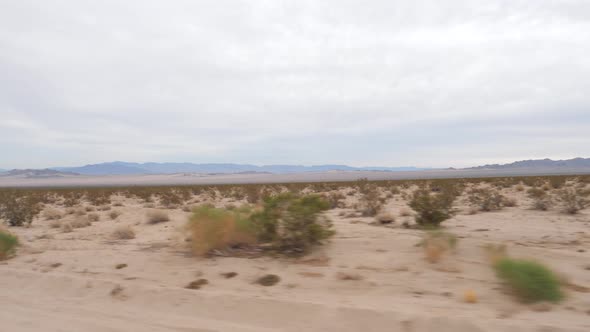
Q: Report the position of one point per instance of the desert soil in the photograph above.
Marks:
(367, 278)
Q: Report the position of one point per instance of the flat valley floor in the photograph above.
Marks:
(368, 277)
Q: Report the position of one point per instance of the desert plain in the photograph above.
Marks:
(74, 271)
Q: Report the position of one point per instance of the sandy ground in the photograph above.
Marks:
(68, 281)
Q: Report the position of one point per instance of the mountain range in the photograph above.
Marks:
(540, 163)
(125, 168)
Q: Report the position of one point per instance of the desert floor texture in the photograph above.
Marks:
(368, 277)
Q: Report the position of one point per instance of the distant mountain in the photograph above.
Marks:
(36, 173)
(125, 168)
(540, 163)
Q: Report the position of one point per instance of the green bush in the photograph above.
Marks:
(432, 208)
(530, 281)
(291, 223)
(8, 243)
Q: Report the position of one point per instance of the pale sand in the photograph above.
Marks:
(398, 290)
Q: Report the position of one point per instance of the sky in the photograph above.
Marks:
(364, 83)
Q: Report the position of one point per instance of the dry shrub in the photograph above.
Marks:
(405, 212)
(67, 227)
(19, 210)
(487, 199)
(8, 243)
(213, 228)
(80, 222)
(510, 202)
(157, 216)
(123, 233)
(70, 211)
(541, 199)
(495, 252)
(519, 187)
(104, 208)
(52, 214)
(79, 212)
(572, 199)
(89, 208)
(114, 214)
(55, 224)
(118, 204)
(385, 218)
(93, 217)
(370, 202)
(436, 244)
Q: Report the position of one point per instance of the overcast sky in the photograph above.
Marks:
(387, 83)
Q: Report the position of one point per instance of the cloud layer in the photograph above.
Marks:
(425, 83)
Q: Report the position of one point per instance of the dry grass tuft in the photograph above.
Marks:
(93, 217)
(67, 227)
(114, 214)
(123, 233)
(213, 228)
(52, 214)
(157, 216)
(55, 224)
(80, 222)
(436, 244)
(495, 252)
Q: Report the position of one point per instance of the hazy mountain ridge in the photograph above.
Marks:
(36, 173)
(125, 168)
(540, 163)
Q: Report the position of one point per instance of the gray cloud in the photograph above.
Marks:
(427, 83)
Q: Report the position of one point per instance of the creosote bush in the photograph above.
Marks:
(431, 208)
(19, 210)
(487, 199)
(293, 224)
(8, 243)
(530, 281)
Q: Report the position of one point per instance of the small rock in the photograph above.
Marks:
(120, 266)
(197, 284)
(54, 265)
(229, 275)
(348, 276)
(117, 290)
(268, 280)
